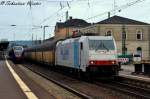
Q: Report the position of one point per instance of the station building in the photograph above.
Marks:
(65, 29)
(137, 34)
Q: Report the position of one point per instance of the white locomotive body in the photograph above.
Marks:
(96, 54)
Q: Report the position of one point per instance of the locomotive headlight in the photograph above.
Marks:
(92, 62)
(113, 62)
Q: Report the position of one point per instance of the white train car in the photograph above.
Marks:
(16, 53)
(94, 54)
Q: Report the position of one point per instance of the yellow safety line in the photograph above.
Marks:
(22, 85)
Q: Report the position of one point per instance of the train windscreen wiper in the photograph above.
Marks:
(105, 47)
(101, 46)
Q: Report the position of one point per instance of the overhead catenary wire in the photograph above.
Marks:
(56, 13)
(61, 8)
(98, 15)
(117, 9)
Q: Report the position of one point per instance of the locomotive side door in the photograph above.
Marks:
(83, 54)
(76, 54)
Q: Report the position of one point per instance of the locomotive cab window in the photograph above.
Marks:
(101, 45)
(18, 48)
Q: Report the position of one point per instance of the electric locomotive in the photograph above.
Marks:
(95, 55)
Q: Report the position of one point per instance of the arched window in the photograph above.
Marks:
(139, 49)
(108, 33)
(139, 35)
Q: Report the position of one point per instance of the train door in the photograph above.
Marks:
(76, 54)
(83, 56)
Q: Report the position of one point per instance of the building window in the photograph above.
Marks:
(108, 33)
(126, 50)
(139, 35)
(139, 51)
(124, 36)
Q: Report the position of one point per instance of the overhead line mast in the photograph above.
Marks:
(61, 8)
(115, 6)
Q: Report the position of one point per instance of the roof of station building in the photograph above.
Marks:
(121, 20)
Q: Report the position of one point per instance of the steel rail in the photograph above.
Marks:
(125, 88)
(80, 94)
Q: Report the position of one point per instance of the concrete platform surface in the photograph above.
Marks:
(127, 71)
(9, 89)
(22, 87)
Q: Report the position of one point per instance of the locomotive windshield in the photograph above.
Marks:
(101, 45)
(17, 48)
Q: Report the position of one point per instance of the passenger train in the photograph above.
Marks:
(16, 53)
(94, 55)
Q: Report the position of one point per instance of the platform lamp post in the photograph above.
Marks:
(44, 31)
(13, 25)
(123, 40)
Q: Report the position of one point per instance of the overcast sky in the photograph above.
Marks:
(29, 19)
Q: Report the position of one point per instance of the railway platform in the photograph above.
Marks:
(127, 72)
(15, 85)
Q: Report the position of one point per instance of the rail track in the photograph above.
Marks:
(135, 82)
(131, 89)
(79, 94)
(122, 86)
